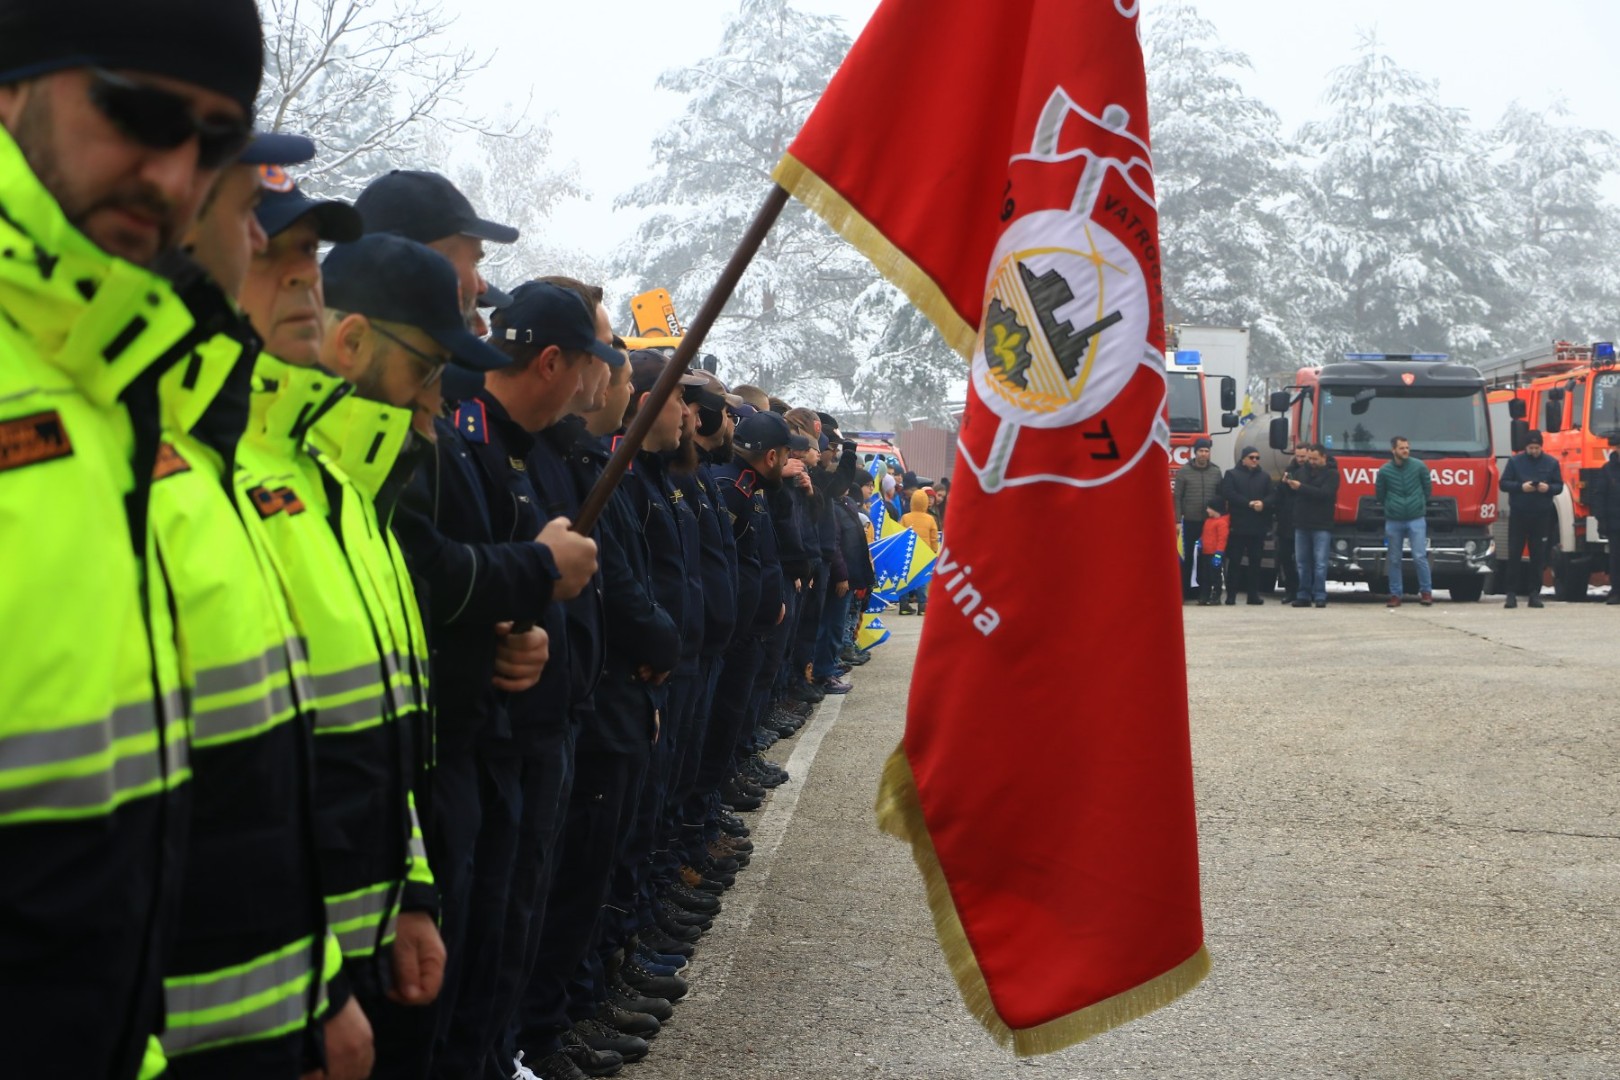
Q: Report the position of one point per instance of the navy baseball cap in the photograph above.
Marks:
(741, 411)
(277, 148)
(543, 314)
(761, 432)
(425, 207)
(398, 280)
(282, 204)
(647, 365)
(492, 297)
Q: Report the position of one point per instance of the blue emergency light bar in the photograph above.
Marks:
(1603, 352)
(1424, 356)
(1188, 358)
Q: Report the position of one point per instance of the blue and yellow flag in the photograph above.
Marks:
(902, 563)
(872, 632)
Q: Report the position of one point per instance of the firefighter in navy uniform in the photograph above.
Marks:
(760, 443)
(92, 747)
(642, 646)
(723, 618)
(652, 503)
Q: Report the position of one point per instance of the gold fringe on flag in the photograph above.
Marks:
(826, 203)
(899, 812)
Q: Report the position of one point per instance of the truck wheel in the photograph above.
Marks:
(1571, 575)
(1467, 590)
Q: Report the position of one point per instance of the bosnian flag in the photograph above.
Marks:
(992, 159)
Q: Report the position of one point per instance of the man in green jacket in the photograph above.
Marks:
(1403, 491)
(115, 120)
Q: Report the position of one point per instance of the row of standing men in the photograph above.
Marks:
(326, 747)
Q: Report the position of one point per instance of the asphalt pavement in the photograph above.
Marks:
(1410, 839)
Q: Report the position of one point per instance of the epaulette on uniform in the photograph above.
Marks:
(472, 422)
(745, 482)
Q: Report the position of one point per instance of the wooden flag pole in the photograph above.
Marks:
(690, 343)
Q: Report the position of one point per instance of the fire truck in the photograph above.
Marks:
(1355, 408)
(1573, 393)
(1189, 411)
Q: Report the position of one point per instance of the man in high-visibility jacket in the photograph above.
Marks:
(246, 982)
(100, 174)
(327, 451)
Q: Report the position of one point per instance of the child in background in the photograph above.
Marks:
(1211, 557)
(927, 530)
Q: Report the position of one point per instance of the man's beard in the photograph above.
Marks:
(35, 129)
(369, 386)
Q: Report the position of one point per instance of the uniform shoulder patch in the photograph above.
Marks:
(472, 421)
(271, 501)
(29, 440)
(745, 482)
(168, 463)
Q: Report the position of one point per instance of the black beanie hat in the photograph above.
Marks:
(215, 44)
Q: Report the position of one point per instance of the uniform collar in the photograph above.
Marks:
(512, 435)
(287, 401)
(101, 321)
(363, 439)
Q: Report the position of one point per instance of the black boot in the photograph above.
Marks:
(588, 1059)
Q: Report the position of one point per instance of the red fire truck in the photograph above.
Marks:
(1189, 412)
(1355, 408)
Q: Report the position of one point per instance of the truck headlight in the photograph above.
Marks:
(1341, 546)
(1470, 547)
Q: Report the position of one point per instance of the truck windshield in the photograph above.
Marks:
(1605, 406)
(1438, 422)
(1186, 402)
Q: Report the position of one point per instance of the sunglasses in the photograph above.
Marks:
(160, 120)
(435, 366)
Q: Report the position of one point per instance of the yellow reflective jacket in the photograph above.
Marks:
(91, 717)
(251, 945)
(336, 565)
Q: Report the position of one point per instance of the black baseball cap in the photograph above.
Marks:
(762, 432)
(646, 365)
(282, 204)
(425, 207)
(492, 297)
(542, 314)
(277, 148)
(215, 44)
(389, 277)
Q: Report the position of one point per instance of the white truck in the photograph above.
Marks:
(1223, 351)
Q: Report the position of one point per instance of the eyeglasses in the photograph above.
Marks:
(1251, 457)
(161, 120)
(434, 365)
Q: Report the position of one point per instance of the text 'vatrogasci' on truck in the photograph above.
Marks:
(1354, 409)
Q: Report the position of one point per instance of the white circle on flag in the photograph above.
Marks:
(1065, 321)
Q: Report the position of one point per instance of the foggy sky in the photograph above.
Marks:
(591, 67)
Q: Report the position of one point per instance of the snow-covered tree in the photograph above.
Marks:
(1220, 168)
(811, 319)
(1400, 246)
(514, 179)
(361, 78)
(713, 168)
(1559, 234)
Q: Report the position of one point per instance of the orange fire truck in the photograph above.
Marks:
(1572, 392)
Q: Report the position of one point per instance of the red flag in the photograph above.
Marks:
(992, 160)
